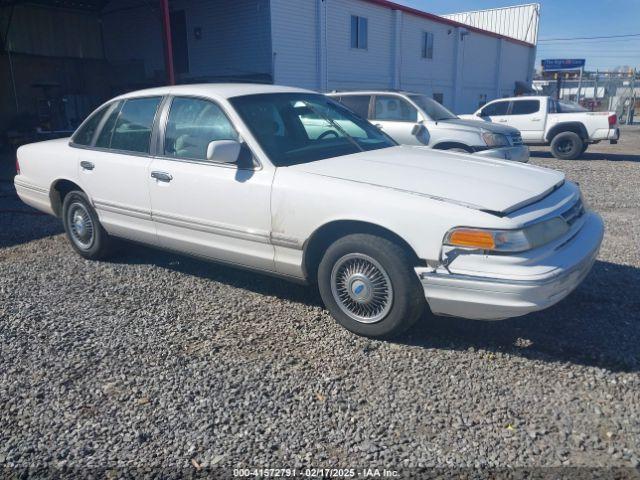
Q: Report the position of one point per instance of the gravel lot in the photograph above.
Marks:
(155, 360)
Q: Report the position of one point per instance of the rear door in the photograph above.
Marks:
(215, 210)
(396, 117)
(113, 168)
(527, 115)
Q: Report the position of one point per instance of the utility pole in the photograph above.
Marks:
(595, 91)
(632, 98)
(579, 85)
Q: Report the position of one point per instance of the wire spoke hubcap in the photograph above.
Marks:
(361, 288)
(80, 226)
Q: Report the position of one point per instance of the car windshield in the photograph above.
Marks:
(433, 109)
(565, 106)
(295, 128)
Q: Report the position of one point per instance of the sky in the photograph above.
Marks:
(569, 18)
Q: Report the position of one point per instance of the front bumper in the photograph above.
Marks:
(490, 298)
(517, 153)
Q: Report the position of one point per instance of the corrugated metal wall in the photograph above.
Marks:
(52, 32)
(519, 22)
(233, 38)
(294, 36)
(312, 48)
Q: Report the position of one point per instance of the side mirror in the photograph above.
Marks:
(421, 133)
(223, 151)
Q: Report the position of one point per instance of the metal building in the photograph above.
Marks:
(71, 53)
(314, 44)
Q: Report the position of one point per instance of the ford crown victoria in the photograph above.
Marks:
(233, 173)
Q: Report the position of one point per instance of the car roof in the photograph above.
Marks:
(373, 92)
(522, 97)
(214, 90)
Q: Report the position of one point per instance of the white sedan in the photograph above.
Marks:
(231, 173)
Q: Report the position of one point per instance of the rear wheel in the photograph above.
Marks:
(567, 146)
(584, 148)
(369, 286)
(86, 235)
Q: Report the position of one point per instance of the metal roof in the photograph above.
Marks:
(456, 22)
(519, 22)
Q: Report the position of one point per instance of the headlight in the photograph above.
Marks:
(507, 240)
(495, 139)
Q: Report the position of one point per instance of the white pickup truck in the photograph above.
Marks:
(566, 126)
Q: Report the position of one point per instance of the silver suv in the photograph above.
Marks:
(415, 119)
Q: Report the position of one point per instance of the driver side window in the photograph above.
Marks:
(191, 125)
(497, 108)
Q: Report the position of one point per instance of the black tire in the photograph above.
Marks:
(407, 301)
(458, 150)
(98, 244)
(567, 146)
(584, 148)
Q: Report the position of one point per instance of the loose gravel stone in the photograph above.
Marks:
(153, 360)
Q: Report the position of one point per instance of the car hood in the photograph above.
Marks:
(475, 124)
(482, 183)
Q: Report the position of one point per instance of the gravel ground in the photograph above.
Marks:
(154, 360)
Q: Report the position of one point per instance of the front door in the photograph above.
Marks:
(527, 116)
(114, 170)
(495, 112)
(219, 211)
(396, 117)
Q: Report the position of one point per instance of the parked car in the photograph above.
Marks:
(230, 173)
(567, 127)
(415, 119)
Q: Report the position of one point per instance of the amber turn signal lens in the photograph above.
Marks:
(472, 238)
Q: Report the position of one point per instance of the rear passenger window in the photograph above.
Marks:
(359, 104)
(132, 132)
(525, 107)
(192, 124)
(393, 108)
(84, 135)
(104, 137)
(497, 108)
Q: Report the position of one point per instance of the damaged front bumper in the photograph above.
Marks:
(531, 282)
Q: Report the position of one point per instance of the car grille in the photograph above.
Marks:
(516, 139)
(574, 213)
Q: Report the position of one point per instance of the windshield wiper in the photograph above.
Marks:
(338, 127)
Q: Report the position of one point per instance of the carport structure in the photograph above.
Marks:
(61, 58)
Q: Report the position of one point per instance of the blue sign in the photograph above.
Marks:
(562, 64)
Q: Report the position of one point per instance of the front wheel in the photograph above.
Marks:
(567, 146)
(457, 150)
(83, 229)
(369, 286)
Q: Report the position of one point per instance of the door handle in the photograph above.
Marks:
(535, 119)
(503, 120)
(87, 165)
(379, 126)
(161, 176)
